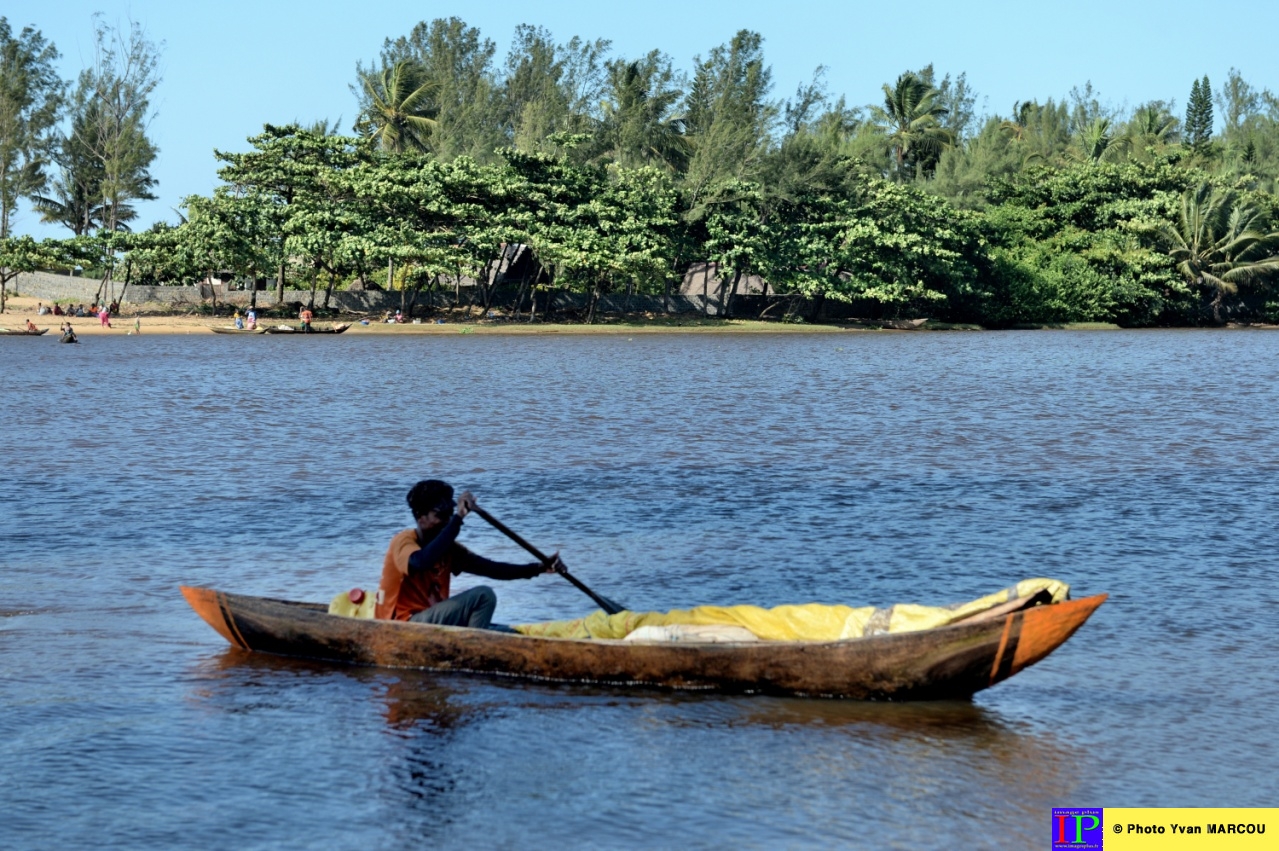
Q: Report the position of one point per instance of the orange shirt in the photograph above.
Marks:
(399, 595)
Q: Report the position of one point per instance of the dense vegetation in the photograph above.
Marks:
(620, 172)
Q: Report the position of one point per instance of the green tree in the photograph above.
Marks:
(1220, 241)
(114, 98)
(1076, 243)
(639, 125)
(396, 104)
(1097, 141)
(106, 156)
(959, 100)
(728, 116)
(1151, 130)
(158, 256)
(288, 172)
(1198, 133)
(227, 231)
(1238, 101)
(896, 250)
(551, 88)
(19, 254)
(31, 95)
(456, 65)
(76, 198)
(911, 122)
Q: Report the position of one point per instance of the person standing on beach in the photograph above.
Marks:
(420, 561)
(104, 316)
(306, 317)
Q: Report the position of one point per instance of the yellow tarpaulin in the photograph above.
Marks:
(808, 622)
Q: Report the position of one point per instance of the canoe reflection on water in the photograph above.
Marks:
(432, 748)
(431, 701)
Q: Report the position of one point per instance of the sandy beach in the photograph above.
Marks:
(21, 308)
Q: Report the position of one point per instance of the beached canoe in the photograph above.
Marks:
(22, 332)
(948, 662)
(222, 329)
(315, 329)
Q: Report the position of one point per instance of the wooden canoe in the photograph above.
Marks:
(289, 329)
(950, 662)
(222, 329)
(22, 332)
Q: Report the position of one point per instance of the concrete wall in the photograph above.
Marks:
(703, 279)
(50, 287)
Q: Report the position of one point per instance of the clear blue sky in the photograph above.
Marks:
(233, 65)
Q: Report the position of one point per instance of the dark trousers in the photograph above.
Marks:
(473, 608)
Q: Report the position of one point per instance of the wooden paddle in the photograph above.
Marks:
(609, 606)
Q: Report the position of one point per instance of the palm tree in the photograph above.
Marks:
(397, 106)
(910, 118)
(1097, 141)
(1152, 127)
(1016, 127)
(1220, 242)
(637, 127)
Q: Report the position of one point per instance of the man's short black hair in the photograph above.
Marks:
(428, 494)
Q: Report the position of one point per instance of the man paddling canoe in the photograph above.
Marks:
(421, 560)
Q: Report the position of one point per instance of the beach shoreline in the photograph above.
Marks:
(146, 321)
(149, 319)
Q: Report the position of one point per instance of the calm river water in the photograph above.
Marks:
(670, 471)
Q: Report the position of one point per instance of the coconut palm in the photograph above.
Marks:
(1220, 242)
(1017, 127)
(638, 127)
(910, 117)
(1152, 127)
(1097, 141)
(397, 107)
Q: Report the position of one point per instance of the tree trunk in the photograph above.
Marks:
(532, 298)
(728, 302)
(328, 293)
(279, 287)
(819, 301)
(519, 298)
(595, 297)
(102, 287)
(128, 276)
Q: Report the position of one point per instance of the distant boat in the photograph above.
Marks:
(226, 329)
(947, 662)
(289, 329)
(23, 332)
